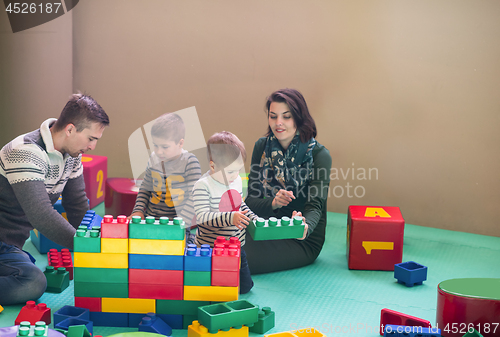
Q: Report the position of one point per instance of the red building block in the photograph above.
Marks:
(91, 303)
(150, 276)
(33, 313)
(120, 196)
(374, 237)
(95, 173)
(61, 259)
(224, 278)
(114, 228)
(392, 317)
(226, 254)
(155, 291)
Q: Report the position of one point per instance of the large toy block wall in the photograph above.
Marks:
(123, 270)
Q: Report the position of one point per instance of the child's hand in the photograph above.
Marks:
(129, 218)
(282, 198)
(295, 213)
(240, 220)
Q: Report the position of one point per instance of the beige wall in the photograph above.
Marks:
(407, 88)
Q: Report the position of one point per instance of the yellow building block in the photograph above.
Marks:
(306, 332)
(198, 330)
(100, 260)
(128, 305)
(156, 247)
(210, 293)
(1, 308)
(109, 245)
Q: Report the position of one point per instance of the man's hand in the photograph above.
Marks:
(282, 198)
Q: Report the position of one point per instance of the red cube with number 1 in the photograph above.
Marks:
(374, 237)
(95, 173)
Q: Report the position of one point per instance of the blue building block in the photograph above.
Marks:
(65, 324)
(91, 219)
(198, 259)
(152, 323)
(161, 262)
(410, 273)
(114, 319)
(174, 321)
(410, 331)
(69, 311)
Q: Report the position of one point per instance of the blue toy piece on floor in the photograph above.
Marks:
(410, 331)
(410, 273)
(154, 324)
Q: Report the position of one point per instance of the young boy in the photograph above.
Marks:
(170, 175)
(220, 210)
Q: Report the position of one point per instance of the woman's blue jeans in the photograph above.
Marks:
(20, 279)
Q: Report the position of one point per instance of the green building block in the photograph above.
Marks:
(162, 229)
(473, 333)
(39, 329)
(197, 278)
(78, 331)
(97, 275)
(274, 229)
(87, 241)
(188, 320)
(228, 315)
(89, 289)
(265, 323)
(57, 280)
(178, 307)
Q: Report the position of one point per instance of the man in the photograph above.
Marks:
(35, 169)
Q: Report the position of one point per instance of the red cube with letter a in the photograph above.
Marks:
(95, 173)
(374, 237)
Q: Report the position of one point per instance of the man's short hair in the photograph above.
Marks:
(169, 126)
(81, 111)
(224, 148)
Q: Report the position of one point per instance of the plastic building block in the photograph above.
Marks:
(162, 229)
(57, 280)
(90, 303)
(226, 254)
(156, 247)
(101, 289)
(410, 273)
(473, 333)
(1, 308)
(159, 262)
(100, 260)
(227, 315)
(91, 220)
(198, 259)
(114, 228)
(265, 323)
(69, 311)
(410, 331)
(188, 320)
(95, 173)
(307, 332)
(217, 294)
(112, 245)
(374, 237)
(189, 308)
(105, 275)
(174, 321)
(276, 229)
(151, 276)
(66, 323)
(392, 317)
(223, 278)
(198, 278)
(58, 259)
(120, 196)
(33, 313)
(198, 330)
(78, 331)
(38, 329)
(128, 305)
(155, 291)
(109, 319)
(152, 323)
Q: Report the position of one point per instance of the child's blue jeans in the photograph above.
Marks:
(20, 279)
(246, 282)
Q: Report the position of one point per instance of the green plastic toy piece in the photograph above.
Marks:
(266, 321)
(274, 229)
(57, 280)
(486, 288)
(223, 316)
(78, 331)
(179, 307)
(96, 275)
(473, 333)
(197, 278)
(102, 289)
(152, 229)
(39, 329)
(87, 241)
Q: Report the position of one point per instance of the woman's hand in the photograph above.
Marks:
(129, 218)
(282, 198)
(240, 220)
(294, 214)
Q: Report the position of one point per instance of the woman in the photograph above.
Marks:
(289, 175)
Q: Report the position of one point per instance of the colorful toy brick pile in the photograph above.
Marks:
(124, 270)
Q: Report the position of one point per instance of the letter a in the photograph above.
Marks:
(372, 212)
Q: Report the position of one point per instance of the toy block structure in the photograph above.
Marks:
(37, 329)
(265, 322)
(307, 332)
(410, 331)
(276, 229)
(57, 279)
(33, 313)
(95, 174)
(120, 196)
(374, 237)
(392, 317)
(136, 273)
(152, 323)
(410, 273)
(198, 330)
(223, 316)
(468, 303)
(60, 259)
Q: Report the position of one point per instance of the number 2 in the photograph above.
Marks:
(100, 179)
